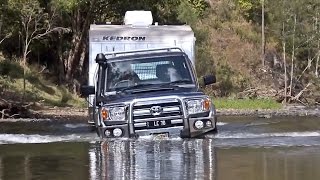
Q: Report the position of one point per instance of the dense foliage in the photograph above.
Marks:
(53, 34)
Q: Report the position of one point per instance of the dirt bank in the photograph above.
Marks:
(81, 114)
(290, 110)
(78, 114)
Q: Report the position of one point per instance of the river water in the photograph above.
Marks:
(248, 148)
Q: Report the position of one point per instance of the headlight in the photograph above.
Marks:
(117, 113)
(117, 132)
(199, 124)
(198, 105)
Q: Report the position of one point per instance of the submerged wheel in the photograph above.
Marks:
(92, 128)
(185, 133)
(215, 130)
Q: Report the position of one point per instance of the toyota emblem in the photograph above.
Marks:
(156, 110)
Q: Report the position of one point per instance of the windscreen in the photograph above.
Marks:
(148, 71)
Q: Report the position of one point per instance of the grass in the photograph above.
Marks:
(246, 104)
(38, 90)
(57, 96)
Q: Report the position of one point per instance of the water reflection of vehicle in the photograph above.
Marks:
(160, 159)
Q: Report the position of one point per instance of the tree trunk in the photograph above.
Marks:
(83, 56)
(293, 54)
(61, 67)
(262, 35)
(25, 53)
(78, 41)
(71, 57)
(285, 71)
(74, 44)
(284, 65)
(317, 62)
(318, 54)
(1, 20)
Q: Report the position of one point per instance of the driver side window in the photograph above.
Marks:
(121, 75)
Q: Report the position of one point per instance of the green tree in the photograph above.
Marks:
(79, 14)
(34, 22)
(251, 9)
(3, 33)
(294, 24)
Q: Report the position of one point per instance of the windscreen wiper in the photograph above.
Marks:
(182, 81)
(136, 87)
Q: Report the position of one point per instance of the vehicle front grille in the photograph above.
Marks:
(170, 116)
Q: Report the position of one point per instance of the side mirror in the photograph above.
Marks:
(209, 79)
(87, 90)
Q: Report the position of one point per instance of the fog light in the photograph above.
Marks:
(117, 132)
(209, 124)
(107, 132)
(198, 124)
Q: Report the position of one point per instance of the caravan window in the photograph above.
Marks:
(147, 71)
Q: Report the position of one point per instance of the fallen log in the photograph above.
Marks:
(297, 98)
(13, 110)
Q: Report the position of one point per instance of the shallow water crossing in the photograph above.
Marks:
(247, 148)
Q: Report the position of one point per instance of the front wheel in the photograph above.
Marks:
(185, 133)
(215, 130)
(92, 128)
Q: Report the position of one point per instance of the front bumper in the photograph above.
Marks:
(188, 130)
(173, 118)
(124, 128)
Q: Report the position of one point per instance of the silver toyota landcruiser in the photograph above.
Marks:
(150, 92)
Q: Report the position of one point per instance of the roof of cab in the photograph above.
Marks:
(146, 55)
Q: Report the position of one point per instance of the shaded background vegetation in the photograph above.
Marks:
(52, 37)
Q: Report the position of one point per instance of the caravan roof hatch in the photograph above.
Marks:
(138, 18)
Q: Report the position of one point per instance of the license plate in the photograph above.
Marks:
(158, 123)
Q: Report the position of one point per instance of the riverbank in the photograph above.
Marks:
(46, 100)
(72, 114)
(289, 110)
